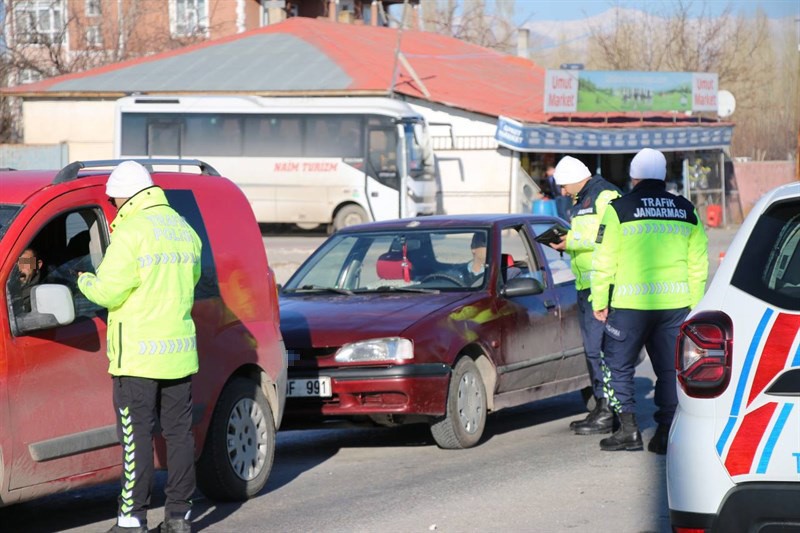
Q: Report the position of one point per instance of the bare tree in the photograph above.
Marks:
(474, 21)
(69, 39)
(750, 60)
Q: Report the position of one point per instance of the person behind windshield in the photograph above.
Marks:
(472, 272)
(30, 275)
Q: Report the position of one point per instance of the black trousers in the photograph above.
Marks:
(137, 402)
(626, 331)
(592, 332)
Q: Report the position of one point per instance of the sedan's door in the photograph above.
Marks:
(531, 346)
(562, 280)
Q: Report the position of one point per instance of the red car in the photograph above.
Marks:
(436, 319)
(57, 424)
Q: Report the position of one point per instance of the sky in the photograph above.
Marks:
(527, 10)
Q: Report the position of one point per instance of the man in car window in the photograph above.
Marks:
(30, 275)
(591, 197)
(146, 281)
(472, 272)
(652, 248)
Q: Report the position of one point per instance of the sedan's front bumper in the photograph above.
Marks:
(418, 389)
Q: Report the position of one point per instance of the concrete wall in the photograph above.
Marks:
(754, 178)
(33, 156)
(86, 126)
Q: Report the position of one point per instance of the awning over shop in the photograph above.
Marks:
(543, 138)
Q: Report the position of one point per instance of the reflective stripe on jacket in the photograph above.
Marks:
(587, 211)
(146, 281)
(652, 249)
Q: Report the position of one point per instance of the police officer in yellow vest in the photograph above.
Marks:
(591, 196)
(146, 281)
(650, 268)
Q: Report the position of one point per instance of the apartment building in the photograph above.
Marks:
(51, 37)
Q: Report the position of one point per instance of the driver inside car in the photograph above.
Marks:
(472, 273)
(30, 274)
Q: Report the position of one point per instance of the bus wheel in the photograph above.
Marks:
(349, 215)
(307, 226)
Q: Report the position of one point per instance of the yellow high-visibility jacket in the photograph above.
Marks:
(652, 249)
(146, 281)
(587, 211)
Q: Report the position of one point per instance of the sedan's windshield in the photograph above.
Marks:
(7, 214)
(404, 261)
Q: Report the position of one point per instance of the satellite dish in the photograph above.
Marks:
(726, 104)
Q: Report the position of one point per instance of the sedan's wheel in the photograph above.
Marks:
(465, 418)
(349, 215)
(240, 445)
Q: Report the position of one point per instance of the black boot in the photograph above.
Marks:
(658, 444)
(599, 420)
(627, 437)
(175, 525)
(574, 423)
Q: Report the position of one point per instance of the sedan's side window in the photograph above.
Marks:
(70, 243)
(516, 259)
(559, 262)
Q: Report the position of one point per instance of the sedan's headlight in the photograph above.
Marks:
(388, 349)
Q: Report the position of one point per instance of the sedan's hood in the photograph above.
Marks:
(333, 320)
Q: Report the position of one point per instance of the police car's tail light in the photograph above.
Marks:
(703, 358)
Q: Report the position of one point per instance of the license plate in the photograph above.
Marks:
(312, 387)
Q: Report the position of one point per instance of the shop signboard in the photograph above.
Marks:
(596, 91)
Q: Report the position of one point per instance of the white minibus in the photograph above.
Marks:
(310, 161)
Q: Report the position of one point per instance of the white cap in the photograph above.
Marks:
(649, 164)
(570, 170)
(127, 179)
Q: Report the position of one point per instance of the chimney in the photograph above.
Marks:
(523, 42)
(373, 13)
(275, 11)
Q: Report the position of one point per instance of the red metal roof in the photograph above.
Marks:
(454, 72)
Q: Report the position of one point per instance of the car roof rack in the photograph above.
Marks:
(70, 172)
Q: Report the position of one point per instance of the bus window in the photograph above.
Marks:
(333, 136)
(164, 137)
(133, 139)
(349, 137)
(210, 134)
(383, 156)
(273, 136)
(416, 159)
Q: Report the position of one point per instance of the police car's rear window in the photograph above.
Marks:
(769, 267)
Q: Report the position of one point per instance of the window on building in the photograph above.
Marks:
(188, 17)
(29, 76)
(39, 21)
(94, 37)
(93, 8)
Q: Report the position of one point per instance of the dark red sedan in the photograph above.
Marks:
(438, 320)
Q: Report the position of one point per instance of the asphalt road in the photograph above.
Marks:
(529, 474)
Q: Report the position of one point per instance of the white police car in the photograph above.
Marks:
(733, 460)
